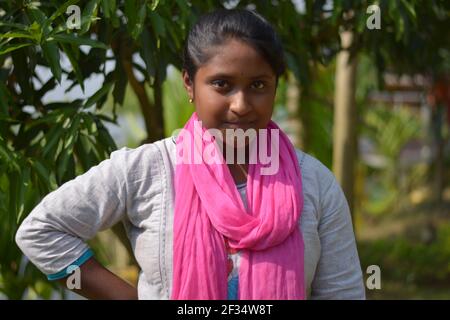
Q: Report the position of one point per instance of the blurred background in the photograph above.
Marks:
(367, 93)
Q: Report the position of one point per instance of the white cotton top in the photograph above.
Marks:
(136, 186)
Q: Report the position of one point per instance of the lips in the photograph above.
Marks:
(238, 125)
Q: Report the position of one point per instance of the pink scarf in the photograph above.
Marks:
(208, 208)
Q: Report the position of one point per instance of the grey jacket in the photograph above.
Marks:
(135, 186)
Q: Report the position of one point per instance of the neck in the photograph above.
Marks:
(235, 159)
(238, 170)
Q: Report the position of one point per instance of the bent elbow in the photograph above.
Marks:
(22, 237)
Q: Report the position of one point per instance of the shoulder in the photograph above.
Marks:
(137, 163)
(318, 182)
(141, 156)
(134, 155)
(314, 171)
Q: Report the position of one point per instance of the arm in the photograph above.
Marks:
(97, 282)
(54, 234)
(338, 274)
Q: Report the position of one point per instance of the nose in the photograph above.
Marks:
(239, 104)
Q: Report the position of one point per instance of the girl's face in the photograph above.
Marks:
(234, 89)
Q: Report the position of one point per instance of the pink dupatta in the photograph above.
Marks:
(208, 208)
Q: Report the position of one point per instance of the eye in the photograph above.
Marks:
(220, 84)
(258, 84)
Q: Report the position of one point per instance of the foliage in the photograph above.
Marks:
(177, 108)
(316, 112)
(43, 142)
(411, 261)
(413, 35)
(389, 129)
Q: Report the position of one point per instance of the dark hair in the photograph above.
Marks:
(221, 25)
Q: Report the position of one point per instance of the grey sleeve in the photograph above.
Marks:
(338, 274)
(55, 232)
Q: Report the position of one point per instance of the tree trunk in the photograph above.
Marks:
(439, 144)
(158, 108)
(344, 127)
(152, 113)
(294, 121)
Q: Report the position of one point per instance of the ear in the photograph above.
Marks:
(188, 84)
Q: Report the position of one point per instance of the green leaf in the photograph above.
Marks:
(62, 162)
(89, 123)
(8, 156)
(72, 39)
(9, 120)
(4, 99)
(51, 54)
(146, 51)
(65, 107)
(137, 29)
(175, 36)
(409, 8)
(72, 134)
(98, 95)
(106, 140)
(76, 68)
(6, 49)
(23, 73)
(49, 85)
(35, 30)
(157, 23)
(106, 8)
(14, 186)
(22, 188)
(48, 118)
(52, 139)
(4, 154)
(153, 5)
(120, 85)
(293, 66)
(83, 152)
(85, 143)
(65, 158)
(89, 14)
(13, 25)
(61, 10)
(105, 118)
(17, 34)
(39, 17)
(400, 28)
(44, 174)
(130, 11)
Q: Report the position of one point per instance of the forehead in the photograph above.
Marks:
(236, 59)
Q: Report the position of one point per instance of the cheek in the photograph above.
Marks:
(209, 106)
(264, 110)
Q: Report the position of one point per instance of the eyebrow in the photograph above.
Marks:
(228, 76)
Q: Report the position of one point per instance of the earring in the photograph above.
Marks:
(190, 100)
